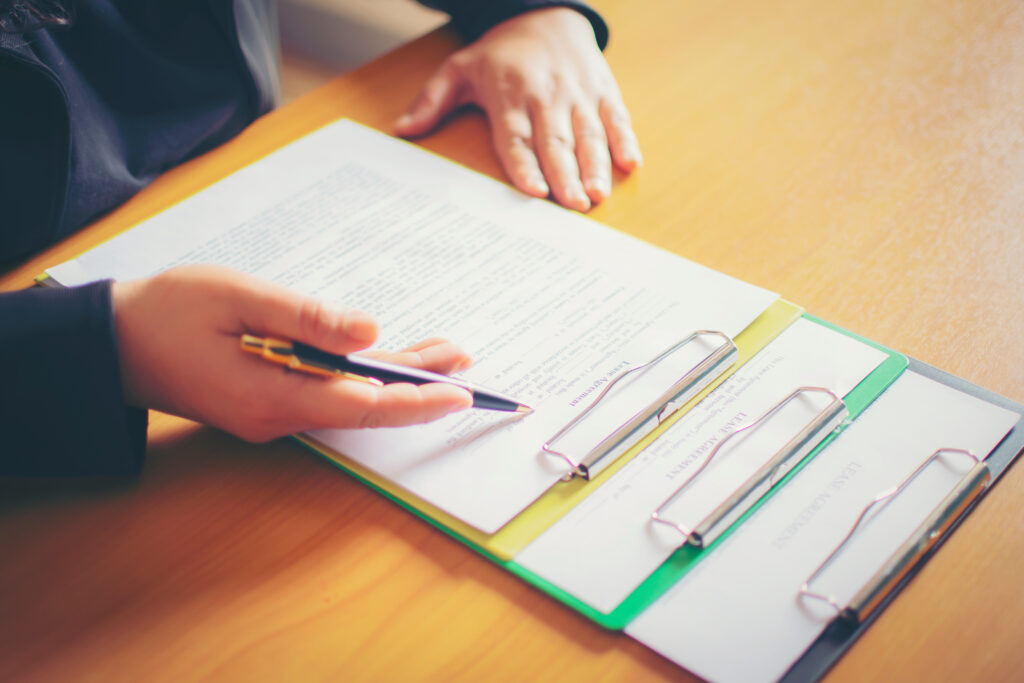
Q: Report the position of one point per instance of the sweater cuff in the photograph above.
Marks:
(473, 23)
(62, 409)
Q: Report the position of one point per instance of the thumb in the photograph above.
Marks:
(275, 311)
(439, 96)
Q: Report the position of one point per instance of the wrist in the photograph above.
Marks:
(123, 297)
(484, 16)
(577, 15)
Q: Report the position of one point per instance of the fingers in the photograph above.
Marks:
(299, 402)
(592, 154)
(513, 141)
(439, 96)
(435, 355)
(555, 144)
(621, 139)
(348, 404)
(344, 403)
(276, 311)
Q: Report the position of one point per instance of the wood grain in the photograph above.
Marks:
(865, 159)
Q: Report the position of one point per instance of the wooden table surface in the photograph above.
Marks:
(863, 158)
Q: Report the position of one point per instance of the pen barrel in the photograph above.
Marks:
(482, 398)
(491, 401)
(389, 373)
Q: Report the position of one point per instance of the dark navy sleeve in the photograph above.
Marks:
(62, 411)
(472, 18)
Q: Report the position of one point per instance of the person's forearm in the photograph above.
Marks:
(62, 411)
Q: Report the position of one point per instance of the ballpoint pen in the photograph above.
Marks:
(313, 361)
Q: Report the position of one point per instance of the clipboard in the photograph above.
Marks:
(559, 500)
(688, 555)
(843, 632)
(517, 534)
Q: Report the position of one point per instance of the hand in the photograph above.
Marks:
(551, 99)
(178, 338)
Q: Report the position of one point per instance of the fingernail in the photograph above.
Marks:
(599, 187)
(581, 200)
(538, 185)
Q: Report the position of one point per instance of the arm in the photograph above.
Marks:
(557, 117)
(84, 363)
(61, 404)
(473, 18)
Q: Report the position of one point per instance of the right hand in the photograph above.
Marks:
(178, 337)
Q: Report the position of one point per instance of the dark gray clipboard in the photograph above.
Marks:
(840, 635)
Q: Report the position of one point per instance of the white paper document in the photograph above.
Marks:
(743, 597)
(602, 549)
(550, 304)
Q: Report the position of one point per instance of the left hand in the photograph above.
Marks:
(556, 114)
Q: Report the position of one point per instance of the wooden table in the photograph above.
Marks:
(865, 159)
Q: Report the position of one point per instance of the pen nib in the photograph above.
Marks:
(525, 409)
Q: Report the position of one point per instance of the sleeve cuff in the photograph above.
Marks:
(472, 23)
(62, 409)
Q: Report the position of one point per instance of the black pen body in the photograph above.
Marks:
(392, 373)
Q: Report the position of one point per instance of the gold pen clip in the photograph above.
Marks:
(283, 353)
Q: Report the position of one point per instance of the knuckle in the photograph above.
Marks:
(620, 118)
(615, 112)
(514, 122)
(311, 323)
(512, 82)
(591, 138)
(557, 143)
(457, 63)
(371, 419)
(521, 148)
(372, 416)
(544, 97)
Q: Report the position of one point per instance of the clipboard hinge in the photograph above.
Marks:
(709, 528)
(681, 391)
(874, 592)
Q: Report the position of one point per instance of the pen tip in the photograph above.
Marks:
(525, 409)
